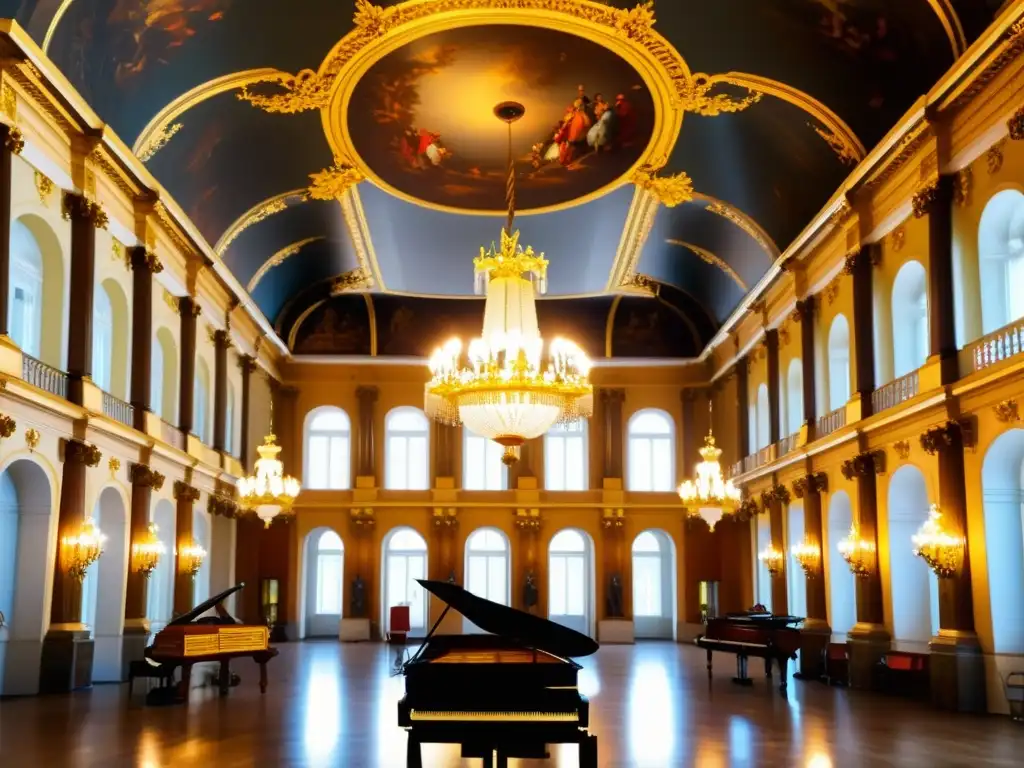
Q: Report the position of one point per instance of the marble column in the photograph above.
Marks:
(742, 406)
(815, 631)
(941, 309)
(611, 409)
(85, 217)
(10, 145)
(221, 345)
(366, 444)
(136, 624)
(145, 265)
(184, 581)
(805, 310)
(247, 365)
(771, 342)
(860, 266)
(189, 311)
(68, 645)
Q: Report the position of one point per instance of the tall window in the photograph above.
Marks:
(407, 453)
(910, 344)
(164, 385)
(25, 318)
(328, 445)
(405, 558)
(565, 458)
(156, 378)
(651, 455)
(568, 582)
(795, 396)
(838, 363)
(764, 435)
(229, 421)
(482, 469)
(328, 573)
(201, 421)
(102, 338)
(646, 575)
(1001, 260)
(796, 581)
(487, 565)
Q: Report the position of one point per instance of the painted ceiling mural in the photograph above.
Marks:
(343, 160)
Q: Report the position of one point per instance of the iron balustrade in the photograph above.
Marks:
(830, 422)
(895, 392)
(118, 410)
(43, 376)
(999, 345)
(171, 435)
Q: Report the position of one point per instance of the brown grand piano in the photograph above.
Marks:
(193, 638)
(510, 692)
(753, 633)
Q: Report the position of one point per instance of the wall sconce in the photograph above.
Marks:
(773, 560)
(808, 555)
(78, 552)
(447, 518)
(943, 551)
(147, 551)
(528, 519)
(858, 553)
(190, 558)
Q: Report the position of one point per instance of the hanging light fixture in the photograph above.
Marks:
(147, 551)
(709, 496)
(773, 559)
(505, 388)
(858, 552)
(943, 551)
(807, 554)
(190, 558)
(80, 551)
(268, 491)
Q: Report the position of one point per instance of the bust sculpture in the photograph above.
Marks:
(530, 592)
(358, 598)
(614, 597)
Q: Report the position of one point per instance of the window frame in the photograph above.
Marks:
(562, 434)
(651, 437)
(492, 452)
(310, 431)
(408, 436)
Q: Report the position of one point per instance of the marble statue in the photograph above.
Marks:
(614, 597)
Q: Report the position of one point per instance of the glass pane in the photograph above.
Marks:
(329, 542)
(646, 542)
(417, 569)
(557, 588)
(330, 420)
(397, 463)
(156, 384)
(397, 582)
(575, 463)
(497, 582)
(639, 461)
(647, 585)
(406, 539)
(419, 465)
(1015, 277)
(575, 585)
(494, 469)
(406, 420)
(340, 465)
(650, 422)
(319, 455)
(661, 465)
(476, 575)
(328, 584)
(475, 450)
(554, 460)
(567, 541)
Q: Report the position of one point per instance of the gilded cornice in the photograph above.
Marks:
(635, 231)
(903, 152)
(1010, 47)
(709, 258)
(277, 259)
(670, 190)
(259, 212)
(171, 229)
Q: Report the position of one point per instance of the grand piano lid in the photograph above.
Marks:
(203, 607)
(508, 622)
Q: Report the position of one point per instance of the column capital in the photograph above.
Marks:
(867, 463)
(78, 207)
(938, 191)
(247, 363)
(810, 484)
(12, 138)
(805, 308)
(217, 504)
(944, 435)
(144, 260)
(77, 452)
(143, 476)
(613, 395)
(221, 337)
(185, 492)
(692, 394)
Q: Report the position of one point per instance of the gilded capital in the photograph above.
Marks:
(144, 260)
(185, 492)
(75, 206)
(145, 477)
(77, 452)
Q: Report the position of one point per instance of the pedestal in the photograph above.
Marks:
(866, 644)
(957, 672)
(814, 638)
(67, 661)
(354, 630)
(615, 631)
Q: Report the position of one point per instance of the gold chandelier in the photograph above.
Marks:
(943, 551)
(80, 551)
(858, 552)
(190, 558)
(807, 554)
(773, 559)
(505, 388)
(147, 551)
(268, 491)
(709, 495)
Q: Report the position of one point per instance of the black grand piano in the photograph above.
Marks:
(510, 692)
(753, 633)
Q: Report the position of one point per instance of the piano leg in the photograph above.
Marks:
(224, 678)
(783, 672)
(709, 662)
(588, 751)
(186, 682)
(413, 756)
(263, 677)
(768, 667)
(501, 761)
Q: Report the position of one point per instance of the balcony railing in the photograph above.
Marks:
(118, 410)
(999, 345)
(830, 422)
(736, 469)
(759, 459)
(786, 444)
(895, 392)
(171, 435)
(45, 377)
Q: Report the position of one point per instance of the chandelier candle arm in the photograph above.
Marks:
(859, 553)
(147, 551)
(808, 555)
(191, 558)
(773, 560)
(940, 549)
(80, 551)
(709, 496)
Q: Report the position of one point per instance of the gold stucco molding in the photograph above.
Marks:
(277, 260)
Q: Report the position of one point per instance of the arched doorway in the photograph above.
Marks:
(325, 583)
(571, 580)
(405, 561)
(842, 609)
(838, 363)
(912, 585)
(160, 597)
(488, 565)
(26, 517)
(654, 586)
(910, 343)
(106, 577)
(796, 581)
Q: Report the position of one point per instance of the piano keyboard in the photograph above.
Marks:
(495, 717)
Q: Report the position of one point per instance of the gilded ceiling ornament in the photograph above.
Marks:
(638, 283)
(709, 258)
(354, 280)
(333, 182)
(374, 19)
(277, 259)
(8, 102)
(746, 224)
(14, 141)
(1016, 125)
(963, 182)
(636, 23)
(696, 95)
(846, 152)
(670, 191)
(303, 91)
(994, 157)
(157, 141)
(902, 449)
(924, 198)
(263, 211)
(44, 187)
(898, 238)
(359, 233)
(32, 437)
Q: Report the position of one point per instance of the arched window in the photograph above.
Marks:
(201, 396)
(25, 301)
(482, 468)
(796, 581)
(651, 454)
(565, 458)
(842, 601)
(570, 580)
(102, 338)
(407, 452)
(764, 579)
(487, 567)
(156, 378)
(654, 585)
(229, 421)
(405, 561)
(160, 593)
(164, 383)
(1001, 260)
(795, 396)
(764, 436)
(912, 585)
(327, 449)
(838, 363)
(325, 571)
(910, 342)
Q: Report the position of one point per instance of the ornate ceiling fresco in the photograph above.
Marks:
(668, 153)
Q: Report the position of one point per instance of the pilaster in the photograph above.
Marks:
(366, 470)
(136, 624)
(221, 345)
(742, 414)
(611, 410)
(189, 311)
(805, 312)
(247, 365)
(184, 581)
(145, 265)
(85, 216)
(860, 266)
(771, 342)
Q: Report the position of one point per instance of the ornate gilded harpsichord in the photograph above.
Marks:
(511, 692)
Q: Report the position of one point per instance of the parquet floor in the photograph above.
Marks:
(651, 706)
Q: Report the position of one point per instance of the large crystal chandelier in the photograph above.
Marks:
(709, 495)
(268, 491)
(505, 387)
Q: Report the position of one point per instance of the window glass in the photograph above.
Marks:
(102, 338)
(328, 446)
(651, 457)
(406, 450)
(565, 467)
(482, 468)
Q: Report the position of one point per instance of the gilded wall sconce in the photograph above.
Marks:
(942, 550)
(147, 551)
(80, 551)
(808, 555)
(191, 558)
(773, 560)
(859, 553)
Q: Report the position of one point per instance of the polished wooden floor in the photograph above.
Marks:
(335, 705)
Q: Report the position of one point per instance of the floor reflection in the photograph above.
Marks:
(652, 715)
(322, 730)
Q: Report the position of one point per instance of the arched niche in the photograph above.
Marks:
(572, 589)
(202, 534)
(842, 595)
(404, 560)
(27, 526)
(103, 592)
(1001, 259)
(913, 587)
(654, 585)
(34, 242)
(164, 380)
(763, 417)
(323, 583)
(794, 396)
(764, 578)
(202, 421)
(910, 344)
(796, 580)
(838, 357)
(121, 336)
(160, 597)
(488, 568)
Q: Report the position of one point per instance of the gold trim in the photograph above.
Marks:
(670, 191)
(371, 313)
(331, 183)
(709, 258)
(743, 221)
(951, 24)
(359, 232)
(255, 215)
(277, 259)
(44, 187)
(299, 321)
(161, 128)
(50, 30)
(639, 222)
(609, 325)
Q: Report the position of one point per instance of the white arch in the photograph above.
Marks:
(488, 568)
(654, 585)
(164, 380)
(914, 617)
(37, 271)
(404, 559)
(572, 598)
(795, 396)
(160, 598)
(1001, 259)
(842, 599)
(121, 342)
(327, 448)
(27, 541)
(839, 369)
(107, 578)
(202, 412)
(406, 449)
(796, 580)
(650, 455)
(323, 583)
(910, 343)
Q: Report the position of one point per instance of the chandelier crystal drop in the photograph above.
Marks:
(268, 491)
(709, 495)
(507, 385)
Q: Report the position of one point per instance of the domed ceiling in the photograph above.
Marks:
(667, 155)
